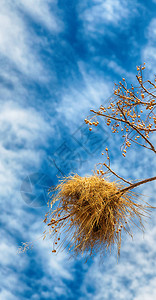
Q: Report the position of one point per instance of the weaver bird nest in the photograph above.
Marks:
(95, 212)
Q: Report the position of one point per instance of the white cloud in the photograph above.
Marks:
(100, 13)
(9, 247)
(77, 100)
(43, 12)
(6, 295)
(14, 43)
(23, 131)
(11, 267)
(149, 57)
(18, 42)
(26, 123)
(151, 30)
(55, 263)
(149, 50)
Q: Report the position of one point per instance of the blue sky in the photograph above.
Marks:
(59, 59)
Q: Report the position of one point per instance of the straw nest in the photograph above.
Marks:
(94, 212)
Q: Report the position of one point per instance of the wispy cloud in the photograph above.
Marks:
(45, 13)
(148, 52)
(97, 14)
(17, 42)
(79, 98)
(23, 133)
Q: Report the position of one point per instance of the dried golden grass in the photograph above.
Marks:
(95, 213)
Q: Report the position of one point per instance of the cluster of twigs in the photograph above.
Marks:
(93, 212)
(131, 112)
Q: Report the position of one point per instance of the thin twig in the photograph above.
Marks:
(53, 222)
(116, 174)
(131, 125)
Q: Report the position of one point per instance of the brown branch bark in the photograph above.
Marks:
(53, 222)
(132, 186)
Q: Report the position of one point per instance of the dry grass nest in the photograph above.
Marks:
(93, 212)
